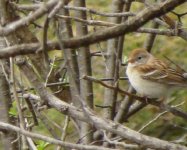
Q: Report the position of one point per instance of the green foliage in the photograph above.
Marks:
(41, 145)
(13, 110)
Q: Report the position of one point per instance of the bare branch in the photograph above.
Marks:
(27, 20)
(8, 127)
(129, 26)
(24, 49)
(156, 118)
(100, 123)
(174, 111)
(84, 9)
(18, 104)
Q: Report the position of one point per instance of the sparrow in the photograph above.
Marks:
(152, 77)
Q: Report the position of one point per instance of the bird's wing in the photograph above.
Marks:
(162, 73)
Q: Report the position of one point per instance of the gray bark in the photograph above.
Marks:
(110, 96)
(84, 62)
(5, 104)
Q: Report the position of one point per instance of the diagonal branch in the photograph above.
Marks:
(168, 108)
(101, 123)
(129, 26)
(8, 29)
(9, 127)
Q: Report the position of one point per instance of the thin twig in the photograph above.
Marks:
(44, 42)
(89, 10)
(122, 144)
(66, 123)
(64, 133)
(88, 22)
(173, 110)
(4, 72)
(50, 71)
(157, 117)
(18, 105)
(64, 130)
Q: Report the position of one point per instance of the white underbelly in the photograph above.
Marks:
(146, 88)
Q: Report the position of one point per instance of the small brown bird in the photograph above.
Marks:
(151, 77)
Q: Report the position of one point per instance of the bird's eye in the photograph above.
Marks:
(139, 57)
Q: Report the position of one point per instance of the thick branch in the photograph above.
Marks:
(24, 49)
(129, 26)
(100, 123)
(8, 29)
(8, 127)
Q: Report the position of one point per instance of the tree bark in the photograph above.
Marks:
(84, 62)
(5, 103)
(110, 96)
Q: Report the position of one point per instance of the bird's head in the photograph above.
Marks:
(138, 57)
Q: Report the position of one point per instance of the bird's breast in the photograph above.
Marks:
(145, 87)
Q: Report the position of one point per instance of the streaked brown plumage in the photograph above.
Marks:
(143, 68)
